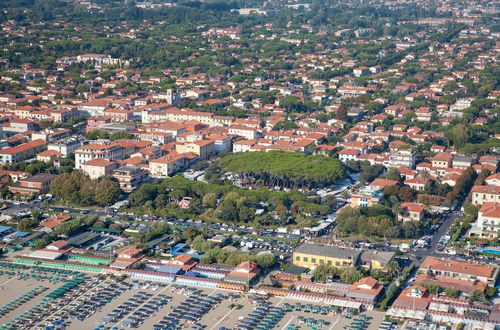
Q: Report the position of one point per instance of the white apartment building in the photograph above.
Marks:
(94, 150)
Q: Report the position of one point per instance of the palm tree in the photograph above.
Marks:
(396, 209)
(393, 269)
(478, 295)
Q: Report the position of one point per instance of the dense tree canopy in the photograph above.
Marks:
(284, 169)
(227, 203)
(78, 189)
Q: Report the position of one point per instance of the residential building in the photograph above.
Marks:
(221, 142)
(118, 115)
(403, 157)
(312, 255)
(488, 220)
(130, 177)
(65, 146)
(204, 149)
(22, 152)
(373, 259)
(411, 212)
(493, 180)
(417, 183)
(483, 194)
(366, 196)
(48, 156)
(442, 160)
(97, 167)
(243, 145)
(36, 185)
(463, 162)
(91, 151)
(244, 131)
(166, 165)
(346, 155)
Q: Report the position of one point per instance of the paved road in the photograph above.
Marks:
(421, 254)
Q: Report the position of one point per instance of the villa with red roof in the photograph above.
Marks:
(460, 275)
(411, 212)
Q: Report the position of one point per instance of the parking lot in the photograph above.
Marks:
(96, 302)
(189, 307)
(12, 288)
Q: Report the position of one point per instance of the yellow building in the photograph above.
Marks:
(484, 194)
(311, 255)
(373, 259)
(48, 155)
(203, 148)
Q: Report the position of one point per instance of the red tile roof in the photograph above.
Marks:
(490, 210)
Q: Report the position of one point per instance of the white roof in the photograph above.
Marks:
(51, 255)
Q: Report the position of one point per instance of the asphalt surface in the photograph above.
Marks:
(421, 254)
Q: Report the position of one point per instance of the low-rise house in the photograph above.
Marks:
(373, 259)
(58, 245)
(48, 156)
(493, 180)
(54, 221)
(183, 261)
(381, 183)
(417, 183)
(346, 155)
(411, 212)
(442, 160)
(463, 161)
(361, 71)
(437, 148)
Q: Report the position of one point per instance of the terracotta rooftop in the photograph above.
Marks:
(461, 267)
(490, 210)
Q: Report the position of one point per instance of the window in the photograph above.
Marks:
(321, 261)
(313, 260)
(305, 259)
(329, 262)
(337, 263)
(297, 258)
